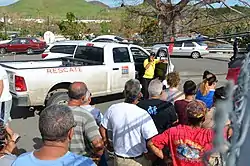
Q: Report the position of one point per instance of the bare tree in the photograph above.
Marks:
(172, 16)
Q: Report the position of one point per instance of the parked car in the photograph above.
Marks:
(23, 45)
(189, 49)
(109, 38)
(61, 49)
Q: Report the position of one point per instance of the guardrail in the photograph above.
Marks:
(221, 50)
(214, 50)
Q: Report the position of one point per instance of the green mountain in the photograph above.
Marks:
(56, 8)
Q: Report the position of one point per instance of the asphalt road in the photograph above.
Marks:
(25, 122)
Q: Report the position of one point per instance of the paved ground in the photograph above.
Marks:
(26, 122)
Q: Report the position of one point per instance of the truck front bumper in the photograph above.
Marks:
(22, 101)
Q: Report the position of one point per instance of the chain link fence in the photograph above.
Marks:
(235, 109)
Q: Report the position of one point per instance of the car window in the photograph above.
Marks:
(24, 41)
(178, 44)
(189, 44)
(103, 40)
(90, 53)
(121, 55)
(15, 41)
(138, 52)
(35, 41)
(64, 49)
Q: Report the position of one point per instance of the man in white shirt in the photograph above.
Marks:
(131, 127)
(5, 96)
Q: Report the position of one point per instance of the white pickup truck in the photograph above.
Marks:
(104, 67)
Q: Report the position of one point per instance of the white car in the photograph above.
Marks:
(109, 39)
(61, 49)
(189, 49)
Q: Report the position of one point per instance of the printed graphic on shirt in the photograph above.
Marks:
(188, 151)
(152, 110)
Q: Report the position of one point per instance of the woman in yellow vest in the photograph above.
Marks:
(149, 65)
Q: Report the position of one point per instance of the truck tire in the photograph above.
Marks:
(58, 98)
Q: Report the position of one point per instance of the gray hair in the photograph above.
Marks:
(131, 90)
(77, 90)
(155, 88)
(55, 122)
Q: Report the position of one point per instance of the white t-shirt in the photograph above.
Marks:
(6, 96)
(164, 82)
(131, 126)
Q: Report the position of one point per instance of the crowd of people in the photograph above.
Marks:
(156, 125)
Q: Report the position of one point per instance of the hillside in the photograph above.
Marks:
(99, 4)
(56, 8)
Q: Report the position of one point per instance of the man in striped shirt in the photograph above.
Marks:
(86, 140)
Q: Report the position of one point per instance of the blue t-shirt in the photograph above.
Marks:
(69, 159)
(207, 99)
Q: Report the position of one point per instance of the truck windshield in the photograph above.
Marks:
(90, 53)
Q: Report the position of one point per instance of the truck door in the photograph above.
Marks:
(139, 57)
(123, 68)
(95, 76)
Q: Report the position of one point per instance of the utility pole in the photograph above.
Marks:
(48, 21)
(5, 24)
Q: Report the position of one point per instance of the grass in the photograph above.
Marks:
(56, 9)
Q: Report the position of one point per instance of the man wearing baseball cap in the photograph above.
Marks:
(187, 143)
(149, 65)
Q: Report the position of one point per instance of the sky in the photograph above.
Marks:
(112, 3)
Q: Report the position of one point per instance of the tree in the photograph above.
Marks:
(71, 27)
(173, 16)
(105, 28)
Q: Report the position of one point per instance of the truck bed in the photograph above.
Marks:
(39, 64)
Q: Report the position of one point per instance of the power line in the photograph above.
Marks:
(213, 24)
(241, 34)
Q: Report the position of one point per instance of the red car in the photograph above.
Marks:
(23, 45)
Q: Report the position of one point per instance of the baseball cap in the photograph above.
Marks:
(196, 109)
(152, 54)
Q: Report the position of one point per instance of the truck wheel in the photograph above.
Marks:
(30, 51)
(2, 51)
(60, 98)
(195, 55)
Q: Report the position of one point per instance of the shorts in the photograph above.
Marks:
(5, 107)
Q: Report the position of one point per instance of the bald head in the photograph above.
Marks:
(77, 90)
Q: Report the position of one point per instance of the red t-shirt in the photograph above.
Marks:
(187, 145)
